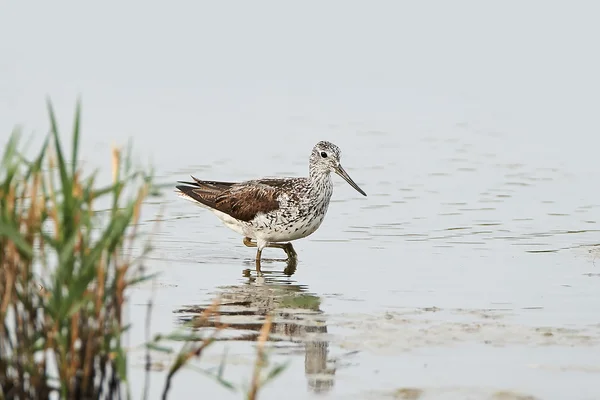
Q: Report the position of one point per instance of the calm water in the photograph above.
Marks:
(468, 271)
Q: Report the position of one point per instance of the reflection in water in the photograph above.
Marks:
(297, 318)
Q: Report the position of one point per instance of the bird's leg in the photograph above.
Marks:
(287, 247)
(258, 253)
(248, 242)
(292, 256)
(289, 250)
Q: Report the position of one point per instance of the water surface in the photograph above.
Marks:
(468, 271)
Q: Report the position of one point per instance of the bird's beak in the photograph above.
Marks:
(340, 171)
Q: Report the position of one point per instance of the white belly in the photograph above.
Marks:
(296, 230)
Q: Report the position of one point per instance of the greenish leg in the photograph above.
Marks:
(287, 247)
(258, 254)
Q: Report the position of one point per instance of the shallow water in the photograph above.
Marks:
(468, 271)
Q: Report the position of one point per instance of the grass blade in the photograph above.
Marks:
(76, 126)
(12, 234)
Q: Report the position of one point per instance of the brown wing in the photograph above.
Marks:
(204, 192)
(239, 200)
(244, 201)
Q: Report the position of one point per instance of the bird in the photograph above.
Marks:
(272, 212)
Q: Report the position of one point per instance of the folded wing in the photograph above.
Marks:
(242, 201)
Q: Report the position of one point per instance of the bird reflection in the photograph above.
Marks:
(297, 318)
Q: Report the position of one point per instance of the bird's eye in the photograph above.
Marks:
(323, 154)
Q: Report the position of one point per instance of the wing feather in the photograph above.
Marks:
(242, 201)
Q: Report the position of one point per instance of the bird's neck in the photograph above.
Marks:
(321, 184)
(318, 176)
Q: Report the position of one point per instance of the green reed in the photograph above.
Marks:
(64, 270)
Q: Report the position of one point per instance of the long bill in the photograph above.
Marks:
(341, 172)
